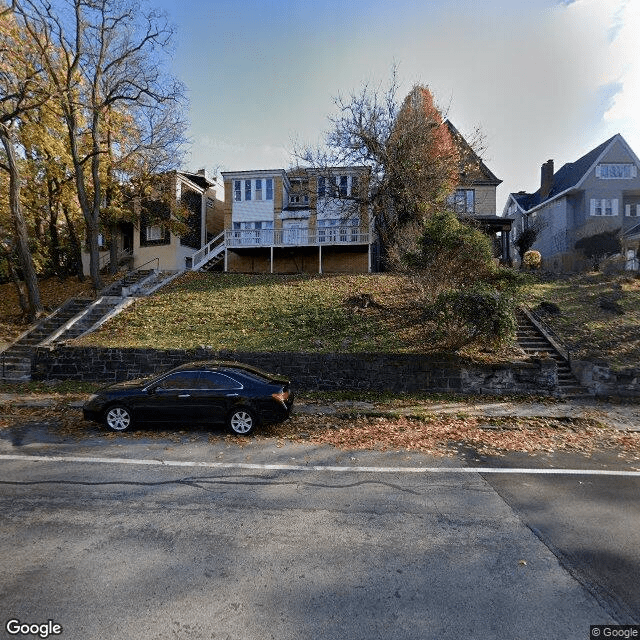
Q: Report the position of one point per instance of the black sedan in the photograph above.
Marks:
(212, 392)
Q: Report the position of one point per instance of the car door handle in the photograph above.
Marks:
(184, 395)
(231, 395)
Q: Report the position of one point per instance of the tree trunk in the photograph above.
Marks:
(22, 298)
(90, 217)
(54, 240)
(20, 227)
(76, 246)
(113, 264)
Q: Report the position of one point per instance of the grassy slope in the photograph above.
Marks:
(307, 313)
(271, 313)
(590, 331)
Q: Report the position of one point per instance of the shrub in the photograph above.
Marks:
(477, 315)
(452, 253)
(599, 246)
(524, 241)
(532, 259)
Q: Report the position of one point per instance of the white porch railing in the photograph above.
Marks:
(210, 251)
(245, 238)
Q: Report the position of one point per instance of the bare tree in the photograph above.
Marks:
(526, 238)
(108, 55)
(412, 159)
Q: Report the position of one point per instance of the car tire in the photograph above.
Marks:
(118, 418)
(241, 421)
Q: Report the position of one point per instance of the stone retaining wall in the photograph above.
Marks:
(601, 380)
(311, 371)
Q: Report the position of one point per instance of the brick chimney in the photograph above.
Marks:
(546, 179)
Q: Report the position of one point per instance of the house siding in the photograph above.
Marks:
(485, 199)
(298, 257)
(568, 218)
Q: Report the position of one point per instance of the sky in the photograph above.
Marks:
(541, 79)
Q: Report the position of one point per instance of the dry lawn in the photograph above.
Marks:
(591, 331)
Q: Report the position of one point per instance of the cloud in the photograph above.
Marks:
(624, 50)
(614, 26)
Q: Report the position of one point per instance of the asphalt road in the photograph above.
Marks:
(293, 541)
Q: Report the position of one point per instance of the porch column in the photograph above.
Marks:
(320, 259)
(271, 258)
(226, 263)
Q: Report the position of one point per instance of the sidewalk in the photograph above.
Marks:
(623, 416)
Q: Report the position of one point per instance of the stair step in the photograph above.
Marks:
(532, 341)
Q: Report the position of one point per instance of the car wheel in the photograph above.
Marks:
(118, 418)
(241, 422)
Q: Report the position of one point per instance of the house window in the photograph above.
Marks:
(604, 207)
(322, 187)
(247, 189)
(463, 201)
(258, 189)
(154, 233)
(237, 190)
(269, 185)
(298, 199)
(354, 185)
(101, 242)
(616, 171)
(343, 185)
(632, 210)
(338, 230)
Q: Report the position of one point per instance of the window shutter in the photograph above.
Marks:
(593, 206)
(597, 174)
(627, 210)
(614, 207)
(634, 171)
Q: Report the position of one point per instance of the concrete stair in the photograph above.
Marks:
(15, 361)
(128, 285)
(533, 341)
(87, 319)
(76, 317)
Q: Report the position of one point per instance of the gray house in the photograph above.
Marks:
(599, 192)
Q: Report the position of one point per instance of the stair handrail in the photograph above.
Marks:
(203, 255)
(105, 260)
(144, 264)
(561, 347)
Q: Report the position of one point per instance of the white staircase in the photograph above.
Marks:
(210, 254)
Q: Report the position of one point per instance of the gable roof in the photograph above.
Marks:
(568, 177)
(474, 170)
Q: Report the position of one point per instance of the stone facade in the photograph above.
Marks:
(601, 380)
(311, 371)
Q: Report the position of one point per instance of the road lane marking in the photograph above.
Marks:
(297, 467)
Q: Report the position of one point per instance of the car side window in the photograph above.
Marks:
(179, 380)
(213, 380)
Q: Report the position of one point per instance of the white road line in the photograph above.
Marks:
(340, 469)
